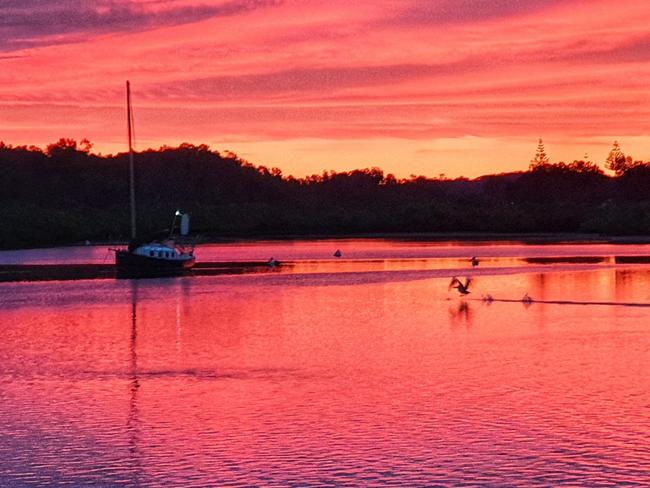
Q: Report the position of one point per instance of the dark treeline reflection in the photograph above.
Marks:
(66, 193)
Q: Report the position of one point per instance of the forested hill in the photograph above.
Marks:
(66, 194)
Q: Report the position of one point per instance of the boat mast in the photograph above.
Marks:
(131, 168)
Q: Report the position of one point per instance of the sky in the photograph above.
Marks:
(454, 87)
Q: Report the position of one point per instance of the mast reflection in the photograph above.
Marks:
(132, 423)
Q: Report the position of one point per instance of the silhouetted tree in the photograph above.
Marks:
(541, 159)
(617, 161)
(62, 147)
(585, 166)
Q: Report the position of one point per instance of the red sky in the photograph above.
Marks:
(461, 87)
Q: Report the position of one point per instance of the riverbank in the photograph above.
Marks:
(65, 272)
(473, 237)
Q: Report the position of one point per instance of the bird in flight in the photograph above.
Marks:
(474, 261)
(463, 288)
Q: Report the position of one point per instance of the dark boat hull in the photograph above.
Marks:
(130, 264)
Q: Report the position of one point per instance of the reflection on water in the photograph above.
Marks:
(133, 420)
(461, 313)
(320, 252)
(328, 379)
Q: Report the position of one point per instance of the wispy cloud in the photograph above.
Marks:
(297, 83)
(440, 12)
(29, 23)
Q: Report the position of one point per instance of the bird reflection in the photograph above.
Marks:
(461, 314)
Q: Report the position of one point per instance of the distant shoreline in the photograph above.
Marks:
(470, 237)
(65, 195)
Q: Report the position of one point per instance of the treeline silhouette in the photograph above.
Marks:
(67, 194)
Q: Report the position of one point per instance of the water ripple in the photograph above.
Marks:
(285, 381)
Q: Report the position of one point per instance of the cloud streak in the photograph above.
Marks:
(440, 12)
(30, 23)
(297, 82)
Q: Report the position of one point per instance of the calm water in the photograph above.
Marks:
(364, 371)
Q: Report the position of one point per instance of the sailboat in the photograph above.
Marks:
(156, 257)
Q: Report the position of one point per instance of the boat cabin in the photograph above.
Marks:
(159, 251)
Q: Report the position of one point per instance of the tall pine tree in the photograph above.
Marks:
(541, 158)
(617, 161)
